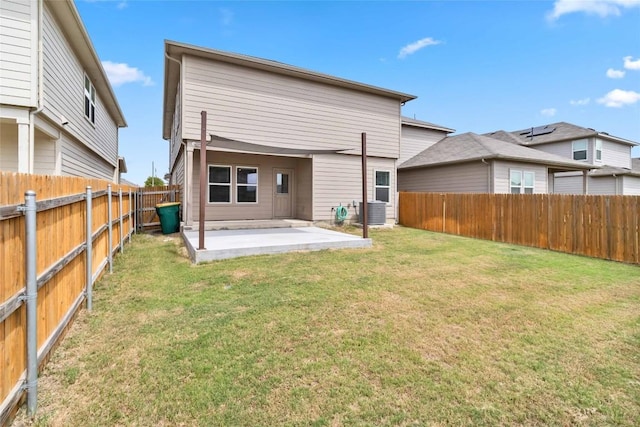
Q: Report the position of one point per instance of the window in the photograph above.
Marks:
(522, 182)
(598, 150)
(580, 149)
(219, 184)
(282, 183)
(89, 100)
(382, 186)
(246, 185)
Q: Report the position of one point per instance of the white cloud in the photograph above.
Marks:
(226, 16)
(416, 46)
(548, 112)
(619, 98)
(615, 74)
(602, 8)
(122, 4)
(121, 73)
(630, 64)
(584, 101)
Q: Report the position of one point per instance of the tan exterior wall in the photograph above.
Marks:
(502, 176)
(304, 189)
(614, 154)
(8, 146)
(415, 140)
(266, 108)
(44, 159)
(568, 183)
(77, 160)
(464, 178)
(631, 185)
(18, 52)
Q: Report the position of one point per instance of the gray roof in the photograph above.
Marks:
(422, 124)
(468, 147)
(612, 170)
(504, 136)
(562, 131)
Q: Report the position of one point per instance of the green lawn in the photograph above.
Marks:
(421, 329)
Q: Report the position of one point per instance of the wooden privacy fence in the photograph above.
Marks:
(146, 200)
(52, 249)
(597, 226)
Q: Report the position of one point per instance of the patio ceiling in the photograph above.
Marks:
(249, 147)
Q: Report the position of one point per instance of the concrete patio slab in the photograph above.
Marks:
(223, 244)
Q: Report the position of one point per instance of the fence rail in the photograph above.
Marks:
(604, 227)
(77, 226)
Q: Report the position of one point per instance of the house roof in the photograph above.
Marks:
(175, 50)
(77, 36)
(612, 170)
(561, 131)
(469, 146)
(422, 124)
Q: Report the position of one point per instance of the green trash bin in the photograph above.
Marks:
(169, 214)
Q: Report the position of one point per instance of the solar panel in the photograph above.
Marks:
(537, 131)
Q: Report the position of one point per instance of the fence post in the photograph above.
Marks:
(110, 219)
(121, 224)
(130, 232)
(134, 224)
(89, 252)
(31, 301)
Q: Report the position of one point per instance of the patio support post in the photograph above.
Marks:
(203, 177)
(363, 208)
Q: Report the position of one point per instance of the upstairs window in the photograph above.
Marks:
(580, 149)
(89, 100)
(382, 187)
(598, 150)
(522, 182)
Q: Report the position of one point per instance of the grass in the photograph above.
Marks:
(421, 329)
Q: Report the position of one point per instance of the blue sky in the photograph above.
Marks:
(475, 66)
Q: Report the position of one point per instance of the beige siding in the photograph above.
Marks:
(568, 183)
(18, 53)
(502, 176)
(338, 181)
(564, 149)
(261, 107)
(631, 185)
(464, 178)
(44, 161)
(175, 142)
(615, 154)
(77, 160)
(263, 209)
(606, 185)
(178, 171)
(64, 94)
(8, 147)
(415, 140)
(304, 189)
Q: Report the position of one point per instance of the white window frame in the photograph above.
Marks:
(229, 184)
(598, 151)
(376, 186)
(90, 97)
(523, 186)
(585, 149)
(238, 185)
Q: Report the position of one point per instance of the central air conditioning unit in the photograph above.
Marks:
(376, 213)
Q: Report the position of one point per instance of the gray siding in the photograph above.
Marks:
(502, 176)
(464, 178)
(568, 183)
(261, 107)
(565, 149)
(415, 140)
(615, 154)
(631, 185)
(239, 211)
(18, 53)
(77, 160)
(338, 181)
(175, 142)
(605, 185)
(64, 94)
(8, 147)
(44, 159)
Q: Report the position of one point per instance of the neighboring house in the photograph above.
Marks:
(418, 135)
(471, 163)
(609, 155)
(286, 141)
(58, 112)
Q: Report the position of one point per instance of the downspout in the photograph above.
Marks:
(489, 176)
(40, 96)
(186, 192)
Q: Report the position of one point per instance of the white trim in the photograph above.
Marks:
(375, 186)
(237, 167)
(596, 151)
(92, 102)
(230, 185)
(523, 187)
(586, 150)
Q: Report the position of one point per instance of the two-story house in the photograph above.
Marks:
(610, 156)
(282, 141)
(58, 112)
